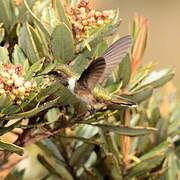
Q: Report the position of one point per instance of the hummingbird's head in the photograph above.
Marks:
(63, 78)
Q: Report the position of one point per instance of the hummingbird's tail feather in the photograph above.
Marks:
(119, 101)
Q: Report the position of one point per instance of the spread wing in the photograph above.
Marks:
(114, 55)
(91, 76)
(102, 67)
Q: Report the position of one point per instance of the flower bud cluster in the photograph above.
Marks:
(84, 18)
(13, 84)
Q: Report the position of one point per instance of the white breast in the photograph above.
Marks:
(72, 83)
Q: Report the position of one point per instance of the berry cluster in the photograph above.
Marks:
(13, 84)
(84, 18)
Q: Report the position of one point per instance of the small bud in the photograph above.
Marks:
(1, 86)
(106, 13)
(14, 76)
(26, 94)
(2, 92)
(82, 10)
(111, 15)
(84, 22)
(98, 14)
(100, 22)
(27, 84)
(18, 102)
(80, 26)
(12, 96)
(91, 20)
(19, 82)
(22, 97)
(9, 82)
(15, 91)
(34, 84)
(83, 16)
(11, 71)
(21, 90)
(5, 75)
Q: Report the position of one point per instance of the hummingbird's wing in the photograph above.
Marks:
(90, 77)
(102, 67)
(114, 55)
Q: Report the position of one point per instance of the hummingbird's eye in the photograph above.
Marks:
(54, 73)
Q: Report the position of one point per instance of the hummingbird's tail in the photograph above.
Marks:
(120, 102)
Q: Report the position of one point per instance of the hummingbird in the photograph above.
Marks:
(96, 73)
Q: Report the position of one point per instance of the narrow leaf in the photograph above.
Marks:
(18, 55)
(11, 148)
(27, 43)
(124, 130)
(62, 44)
(4, 55)
(61, 13)
(144, 166)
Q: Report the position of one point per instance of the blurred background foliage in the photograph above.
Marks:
(119, 143)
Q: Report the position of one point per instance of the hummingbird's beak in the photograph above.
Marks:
(43, 74)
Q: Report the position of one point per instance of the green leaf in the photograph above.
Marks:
(23, 14)
(110, 145)
(4, 55)
(11, 148)
(82, 61)
(15, 174)
(101, 47)
(7, 14)
(27, 43)
(53, 115)
(37, 41)
(48, 166)
(44, 41)
(58, 170)
(18, 55)
(81, 155)
(157, 79)
(139, 76)
(113, 167)
(34, 111)
(140, 95)
(74, 2)
(86, 131)
(82, 139)
(26, 65)
(112, 87)
(61, 13)
(123, 73)
(157, 150)
(4, 130)
(144, 166)
(50, 90)
(5, 101)
(34, 68)
(126, 131)
(38, 22)
(173, 169)
(50, 148)
(62, 44)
